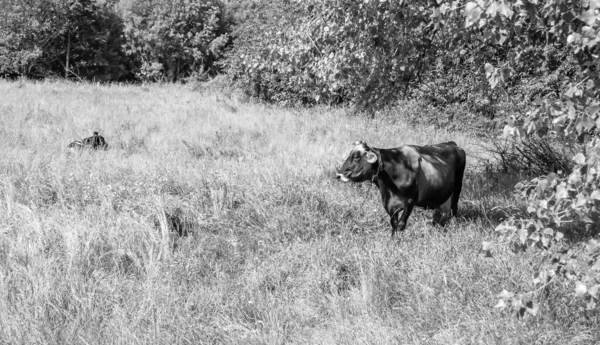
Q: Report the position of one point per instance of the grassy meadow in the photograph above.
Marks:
(275, 250)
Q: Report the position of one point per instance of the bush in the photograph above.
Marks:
(532, 156)
(325, 52)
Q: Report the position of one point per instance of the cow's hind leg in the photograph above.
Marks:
(394, 220)
(456, 194)
(458, 180)
(441, 213)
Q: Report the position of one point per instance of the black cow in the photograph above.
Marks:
(95, 142)
(407, 176)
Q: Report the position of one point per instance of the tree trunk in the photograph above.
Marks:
(68, 54)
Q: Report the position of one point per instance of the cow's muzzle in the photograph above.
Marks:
(342, 177)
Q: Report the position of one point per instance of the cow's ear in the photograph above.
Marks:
(371, 157)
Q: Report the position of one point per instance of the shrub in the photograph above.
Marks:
(532, 156)
(557, 205)
(333, 52)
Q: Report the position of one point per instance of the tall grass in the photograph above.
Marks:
(277, 251)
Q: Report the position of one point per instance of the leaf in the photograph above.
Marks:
(545, 241)
(579, 159)
(592, 247)
(505, 10)
(596, 265)
(504, 228)
(561, 192)
(548, 231)
(542, 185)
(589, 17)
(593, 110)
(472, 13)
(581, 200)
(568, 16)
(494, 80)
(595, 195)
(573, 38)
(513, 131)
(588, 32)
(492, 9)
(580, 289)
(560, 121)
(489, 69)
(575, 178)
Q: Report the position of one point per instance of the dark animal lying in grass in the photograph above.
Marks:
(407, 176)
(95, 142)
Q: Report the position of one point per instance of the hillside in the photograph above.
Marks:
(278, 251)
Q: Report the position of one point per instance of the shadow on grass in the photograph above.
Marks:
(489, 196)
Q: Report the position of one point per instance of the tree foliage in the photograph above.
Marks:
(557, 204)
(176, 39)
(372, 53)
(364, 52)
(48, 37)
(112, 40)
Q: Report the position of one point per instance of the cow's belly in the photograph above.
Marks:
(433, 200)
(435, 185)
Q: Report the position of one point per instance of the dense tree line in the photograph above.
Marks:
(112, 40)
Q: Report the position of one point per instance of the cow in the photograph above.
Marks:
(95, 142)
(407, 176)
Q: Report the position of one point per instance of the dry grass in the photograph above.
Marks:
(277, 250)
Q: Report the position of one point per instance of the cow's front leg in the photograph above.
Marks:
(398, 221)
(394, 220)
(407, 210)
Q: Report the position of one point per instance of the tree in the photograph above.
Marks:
(557, 204)
(341, 51)
(29, 32)
(76, 38)
(176, 39)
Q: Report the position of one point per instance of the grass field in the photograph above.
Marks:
(278, 251)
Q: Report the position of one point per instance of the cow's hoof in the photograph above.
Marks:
(401, 226)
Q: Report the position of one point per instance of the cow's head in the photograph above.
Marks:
(360, 166)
